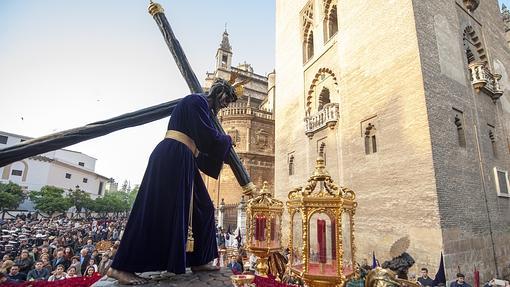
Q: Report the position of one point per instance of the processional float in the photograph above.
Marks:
(73, 136)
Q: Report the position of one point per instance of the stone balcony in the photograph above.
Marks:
(482, 79)
(327, 117)
(241, 109)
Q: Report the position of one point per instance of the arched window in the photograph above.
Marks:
(460, 131)
(307, 31)
(333, 22)
(330, 22)
(291, 165)
(309, 46)
(323, 98)
(370, 139)
(473, 46)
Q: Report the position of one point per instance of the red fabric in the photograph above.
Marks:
(321, 238)
(71, 282)
(273, 227)
(257, 228)
(476, 277)
(268, 282)
(262, 229)
(333, 239)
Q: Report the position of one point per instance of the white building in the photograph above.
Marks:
(62, 168)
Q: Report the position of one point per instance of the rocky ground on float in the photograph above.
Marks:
(201, 279)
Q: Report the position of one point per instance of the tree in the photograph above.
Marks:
(11, 196)
(79, 199)
(125, 186)
(132, 195)
(50, 200)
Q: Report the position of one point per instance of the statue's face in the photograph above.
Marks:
(221, 101)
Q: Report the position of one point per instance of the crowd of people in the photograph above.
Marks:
(55, 249)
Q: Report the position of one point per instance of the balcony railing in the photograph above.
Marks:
(239, 109)
(327, 117)
(482, 79)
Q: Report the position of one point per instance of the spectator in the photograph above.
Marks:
(45, 259)
(84, 258)
(424, 279)
(39, 273)
(72, 272)
(24, 262)
(92, 262)
(460, 281)
(59, 274)
(68, 253)
(6, 266)
(60, 259)
(104, 264)
(91, 247)
(4, 278)
(89, 272)
(15, 275)
(75, 262)
(235, 266)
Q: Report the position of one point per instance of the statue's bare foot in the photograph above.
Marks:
(125, 278)
(204, 268)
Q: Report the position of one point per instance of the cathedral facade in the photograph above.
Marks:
(250, 123)
(409, 104)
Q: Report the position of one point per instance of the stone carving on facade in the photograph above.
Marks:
(471, 5)
(262, 139)
(234, 134)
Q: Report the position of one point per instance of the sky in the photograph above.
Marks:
(64, 64)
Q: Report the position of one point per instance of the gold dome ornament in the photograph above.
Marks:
(155, 8)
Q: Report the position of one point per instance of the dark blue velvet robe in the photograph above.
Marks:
(155, 235)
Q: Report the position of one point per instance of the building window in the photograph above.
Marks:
(323, 98)
(502, 185)
(3, 139)
(16, 172)
(459, 124)
(85, 180)
(473, 46)
(68, 175)
(100, 191)
(81, 163)
(224, 60)
(322, 151)
(370, 140)
(330, 22)
(307, 32)
(291, 165)
(492, 138)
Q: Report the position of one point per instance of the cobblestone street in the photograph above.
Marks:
(189, 279)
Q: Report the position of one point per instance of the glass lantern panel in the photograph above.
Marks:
(347, 260)
(322, 254)
(297, 242)
(275, 232)
(259, 224)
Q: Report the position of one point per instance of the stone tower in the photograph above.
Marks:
(408, 101)
(250, 123)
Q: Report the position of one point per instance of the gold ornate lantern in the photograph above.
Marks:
(322, 230)
(264, 214)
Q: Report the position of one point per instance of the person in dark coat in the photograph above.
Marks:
(156, 233)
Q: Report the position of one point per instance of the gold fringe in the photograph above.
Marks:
(190, 243)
